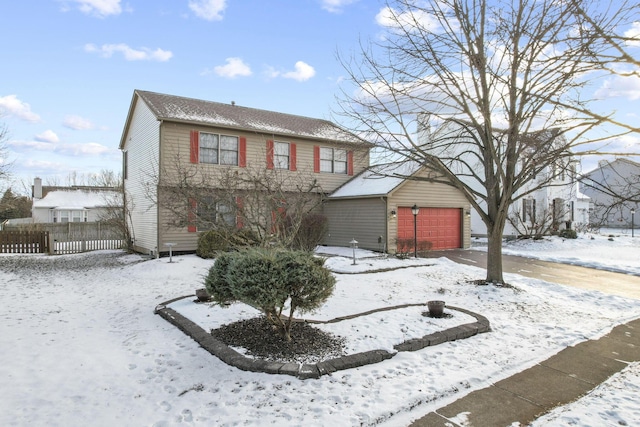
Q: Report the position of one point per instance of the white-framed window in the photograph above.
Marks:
(281, 155)
(215, 213)
(68, 215)
(218, 149)
(333, 160)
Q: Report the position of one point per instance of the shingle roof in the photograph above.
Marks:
(378, 180)
(197, 111)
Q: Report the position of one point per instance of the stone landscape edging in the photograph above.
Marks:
(316, 370)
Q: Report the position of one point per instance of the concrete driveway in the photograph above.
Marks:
(626, 285)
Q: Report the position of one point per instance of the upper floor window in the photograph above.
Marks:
(281, 155)
(333, 160)
(218, 149)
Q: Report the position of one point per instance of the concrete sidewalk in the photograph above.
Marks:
(559, 380)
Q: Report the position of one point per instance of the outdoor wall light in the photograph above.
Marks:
(467, 213)
(393, 213)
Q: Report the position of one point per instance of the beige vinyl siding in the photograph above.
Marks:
(175, 154)
(141, 144)
(360, 219)
(175, 149)
(428, 195)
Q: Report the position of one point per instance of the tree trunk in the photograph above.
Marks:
(494, 256)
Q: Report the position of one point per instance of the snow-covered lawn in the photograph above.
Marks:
(80, 345)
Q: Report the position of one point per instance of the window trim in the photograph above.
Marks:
(277, 164)
(219, 150)
(334, 160)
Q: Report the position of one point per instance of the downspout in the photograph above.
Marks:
(160, 128)
(385, 237)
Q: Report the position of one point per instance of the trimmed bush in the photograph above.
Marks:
(269, 280)
(568, 233)
(213, 242)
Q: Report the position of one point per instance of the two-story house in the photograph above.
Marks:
(165, 135)
(173, 145)
(550, 199)
(614, 188)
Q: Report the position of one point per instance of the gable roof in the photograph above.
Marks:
(196, 111)
(378, 180)
(620, 163)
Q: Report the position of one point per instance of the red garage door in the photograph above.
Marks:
(440, 226)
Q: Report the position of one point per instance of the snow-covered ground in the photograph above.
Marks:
(80, 345)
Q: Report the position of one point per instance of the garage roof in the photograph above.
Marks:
(377, 180)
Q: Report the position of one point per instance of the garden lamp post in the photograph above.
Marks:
(633, 213)
(415, 210)
(354, 246)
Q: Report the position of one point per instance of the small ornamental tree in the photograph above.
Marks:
(270, 280)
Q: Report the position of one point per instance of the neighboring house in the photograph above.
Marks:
(374, 208)
(164, 132)
(557, 205)
(608, 186)
(53, 204)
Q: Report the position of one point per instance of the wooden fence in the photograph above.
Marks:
(24, 242)
(75, 237)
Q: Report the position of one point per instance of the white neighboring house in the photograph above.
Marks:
(559, 202)
(72, 204)
(608, 186)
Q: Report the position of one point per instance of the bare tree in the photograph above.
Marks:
(5, 164)
(271, 203)
(495, 89)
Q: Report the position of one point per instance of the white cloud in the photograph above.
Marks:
(391, 18)
(77, 123)
(303, 72)
(233, 68)
(47, 136)
(130, 54)
(634, 33)
(99, 8)
(12, 106)
(336, 6)
(620, 86)
(210, 10)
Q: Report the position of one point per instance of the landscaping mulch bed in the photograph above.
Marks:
(259, 338)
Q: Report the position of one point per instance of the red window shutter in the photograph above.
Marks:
(316, 159)
(242, 152)
(270, 154)
(292, 157)
(350, 163)
(194, 146)
(239, 210)
(191, 216)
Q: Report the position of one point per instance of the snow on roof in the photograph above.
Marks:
(378, 180)
(171, 107)
(77, 199)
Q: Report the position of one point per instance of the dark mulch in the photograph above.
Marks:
(308, 344)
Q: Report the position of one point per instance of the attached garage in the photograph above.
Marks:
(374, 208)
(442, 227)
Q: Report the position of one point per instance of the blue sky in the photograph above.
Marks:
(69, 67)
